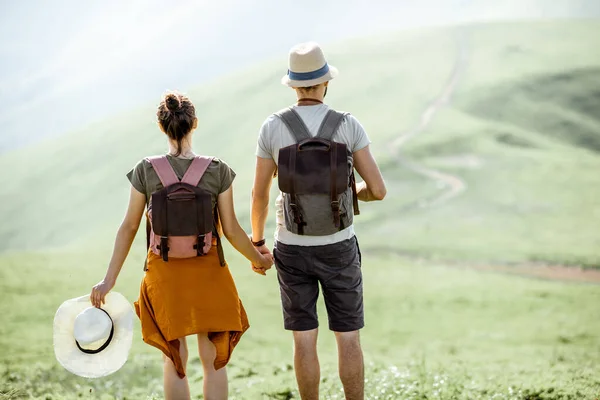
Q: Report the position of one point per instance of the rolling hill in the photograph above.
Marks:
(508, 110)
(128, 46)
(521, 129)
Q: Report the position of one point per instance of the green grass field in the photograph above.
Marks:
(522, 130)
(433, 332)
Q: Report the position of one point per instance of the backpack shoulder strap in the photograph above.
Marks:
(196, 169)
(148, 232)
(330, 124)
(294, 123)
(163, 169)
(217, 225)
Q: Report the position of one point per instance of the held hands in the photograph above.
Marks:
(100, 291)
(264, 262)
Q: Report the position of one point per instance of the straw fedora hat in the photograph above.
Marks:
(93, 342)
(307, 66)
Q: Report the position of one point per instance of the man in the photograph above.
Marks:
(304, 261)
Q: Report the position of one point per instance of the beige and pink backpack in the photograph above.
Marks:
(180, 215)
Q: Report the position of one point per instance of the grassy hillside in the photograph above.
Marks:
(89, 165)
(521, 130)
(432, 332)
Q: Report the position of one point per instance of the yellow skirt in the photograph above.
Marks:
(187, 296)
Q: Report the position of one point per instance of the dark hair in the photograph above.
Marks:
(310, 88)
(176, 115)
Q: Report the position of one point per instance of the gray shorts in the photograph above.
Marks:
(337, 267)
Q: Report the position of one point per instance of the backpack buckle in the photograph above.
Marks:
(200, 245)
(298, 220)
(335, 210)
(296, 212)
(164, 248)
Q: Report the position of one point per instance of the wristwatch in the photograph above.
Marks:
(259, 243)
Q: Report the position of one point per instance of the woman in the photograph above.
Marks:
(185, 296)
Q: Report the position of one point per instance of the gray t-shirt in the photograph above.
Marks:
(217, 178)
(275, 135)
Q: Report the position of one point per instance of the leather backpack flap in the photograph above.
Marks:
(309, 164)
(188, 210)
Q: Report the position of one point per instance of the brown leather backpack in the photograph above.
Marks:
(181, 218)
(316, 177)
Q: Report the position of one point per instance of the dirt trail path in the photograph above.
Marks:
(539, 270)
(452, 186)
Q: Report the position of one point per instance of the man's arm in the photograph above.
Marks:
(263, 177)
(373, 186)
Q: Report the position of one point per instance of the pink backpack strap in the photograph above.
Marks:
(196, 170)
(163, 169)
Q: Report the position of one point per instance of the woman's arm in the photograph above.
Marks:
(236, 235)
(125, 236)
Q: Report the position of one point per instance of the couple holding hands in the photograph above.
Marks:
(188, 289)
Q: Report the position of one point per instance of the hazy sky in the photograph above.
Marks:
(66, 63)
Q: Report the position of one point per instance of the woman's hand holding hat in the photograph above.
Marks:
(100, 290)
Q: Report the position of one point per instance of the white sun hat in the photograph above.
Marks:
(93, 342)
(307, 66)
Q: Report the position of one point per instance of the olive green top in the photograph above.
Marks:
(217, 178)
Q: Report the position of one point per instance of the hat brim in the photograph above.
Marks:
(332, 73)
(110, 359)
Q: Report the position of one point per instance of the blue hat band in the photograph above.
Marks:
(307, 76)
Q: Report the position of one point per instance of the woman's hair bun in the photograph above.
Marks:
(172, 102)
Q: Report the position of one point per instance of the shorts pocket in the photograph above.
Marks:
(286, 258)
(341, 255)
